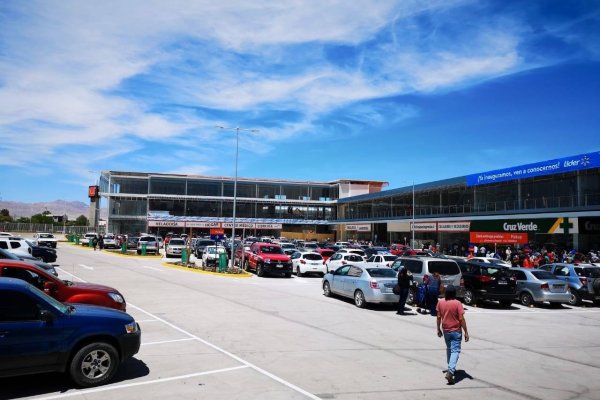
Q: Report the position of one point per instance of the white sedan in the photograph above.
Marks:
(339, 259)
(382, 260)
(308, 262)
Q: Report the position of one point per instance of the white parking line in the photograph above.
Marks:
(128, 385)
(86, 267)
(220, 350)
(70, 274)
(167, 341)
(153, 268)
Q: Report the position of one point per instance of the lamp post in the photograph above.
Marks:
(237, 142)
(412, 228)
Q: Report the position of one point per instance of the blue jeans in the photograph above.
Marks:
(453, 341)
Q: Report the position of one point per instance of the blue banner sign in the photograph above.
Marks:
(558, 166)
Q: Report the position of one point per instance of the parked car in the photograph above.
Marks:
(24, 247)
(211, 255)
(268, 258)
(420, 266)
(538, 285)
(382, 260)
(110, 241)
(339, 259)
(363, 283)
(371, 251)
(490, 260)
(310, 246)
(326, 253)
(201, 245)
(45, 239)
(583, 280)
(63, 290)
(85, 240)
(41, 334)
(151, 244)
(359, 252)
(397, 249)
(308, 262)
(175, 247)
(132, 242)
(485, 281)
(7, 255)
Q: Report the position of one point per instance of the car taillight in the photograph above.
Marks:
(374, 285)
(462, 282)
(302, 262)
(583, 281)
(485, 279)
(343, 262)
(545, 286)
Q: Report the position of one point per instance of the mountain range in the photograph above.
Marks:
(73, 209)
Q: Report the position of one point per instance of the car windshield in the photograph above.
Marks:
(178, 242)
(206, 242)
(312, 256)
(543, 275)
(53, 302)
(389, 258)
(147, 239)
(381, 272)
(444, 267)
(591, 272)
(271, 250)
(353, 257)
(46, 236)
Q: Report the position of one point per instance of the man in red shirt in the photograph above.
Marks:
(450, 320)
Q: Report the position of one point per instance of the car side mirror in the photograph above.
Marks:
(46, 316)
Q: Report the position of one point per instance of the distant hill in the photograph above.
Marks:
(73, 209)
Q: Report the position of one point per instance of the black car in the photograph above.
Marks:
(7, 255)
(201, 245)
(488, 282)
(43, 253)
(41, 334)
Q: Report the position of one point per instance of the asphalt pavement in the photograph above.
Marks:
(219, 337)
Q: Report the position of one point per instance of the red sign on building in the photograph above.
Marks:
(499, 238)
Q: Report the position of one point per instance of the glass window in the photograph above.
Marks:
(167, 186)
(414, 266)
(443, 267)
(294, 192)
(268, 191)
(542, 275)
(561, 271)
(313, 257)
(129, 185)
(343, 270)
(520, 275)
(204, 188)
(244, 189)
(14, 245)
(354, 272)
(17, 306)
(381, 272)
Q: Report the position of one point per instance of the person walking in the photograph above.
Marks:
(450, 324)
(433, 291)
(95, 242)
(405, 279)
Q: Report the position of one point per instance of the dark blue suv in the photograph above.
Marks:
(40, 334)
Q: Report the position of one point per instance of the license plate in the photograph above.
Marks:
(502, 283)
(279, 266)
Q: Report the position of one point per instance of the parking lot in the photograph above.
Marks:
(218, 337)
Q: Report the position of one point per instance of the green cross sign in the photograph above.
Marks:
(566, 225)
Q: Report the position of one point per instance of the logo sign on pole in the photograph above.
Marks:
(217, 234)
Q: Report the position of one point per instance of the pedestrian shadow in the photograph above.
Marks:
(461, 374)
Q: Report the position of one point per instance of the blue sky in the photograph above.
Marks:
(385, 90)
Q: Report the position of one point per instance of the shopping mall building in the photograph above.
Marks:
(556, 201)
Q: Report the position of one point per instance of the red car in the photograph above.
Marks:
(269, 258)
(326, 253)
(398, 249)
(63, 291)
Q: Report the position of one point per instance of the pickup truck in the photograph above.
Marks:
(269, 258)
(45, 239)
(63, 291)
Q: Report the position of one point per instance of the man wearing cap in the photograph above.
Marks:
(450, 321)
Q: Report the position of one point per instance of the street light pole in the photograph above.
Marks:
(237, 130)
(412, 230)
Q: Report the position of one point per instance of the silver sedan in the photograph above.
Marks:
(537, 286)
(362, 282)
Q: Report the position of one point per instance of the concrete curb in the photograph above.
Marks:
(199, 271)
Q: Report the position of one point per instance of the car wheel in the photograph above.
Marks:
(288, 274)
(359, 299)
(575, 299)
(526, 299)
(259, 270)
(469, 297)
(326, 289)
(597, 303)
(506, 303)
(139, 252)
(246, 265)
(298, 272)
(94, 364)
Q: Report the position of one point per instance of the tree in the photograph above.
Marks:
(81, 221)
(5, 216)
(23, 220)
(41, 219)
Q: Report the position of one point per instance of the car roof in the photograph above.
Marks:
(6, 282)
